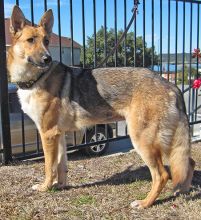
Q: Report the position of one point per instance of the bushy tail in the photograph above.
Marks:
(181, 164)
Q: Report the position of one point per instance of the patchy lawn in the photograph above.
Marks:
(99, 188)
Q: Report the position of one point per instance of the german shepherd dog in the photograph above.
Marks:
(59, 98)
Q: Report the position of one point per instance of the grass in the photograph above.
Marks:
(84, 200)
(99, 188)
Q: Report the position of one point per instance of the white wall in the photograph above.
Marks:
(66, 55)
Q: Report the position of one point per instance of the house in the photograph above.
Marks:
(169, 68)
(54, 46)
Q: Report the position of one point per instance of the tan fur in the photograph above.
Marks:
(64, 101)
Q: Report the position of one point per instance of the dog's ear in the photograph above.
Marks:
(47, 21)
(17, 20)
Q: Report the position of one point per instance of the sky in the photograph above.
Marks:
(89, 24)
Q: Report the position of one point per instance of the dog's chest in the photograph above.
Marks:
(30, 105)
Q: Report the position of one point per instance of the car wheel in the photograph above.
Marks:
(99, 149)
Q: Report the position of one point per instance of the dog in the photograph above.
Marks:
(59, 98)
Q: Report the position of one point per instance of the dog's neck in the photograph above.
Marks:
(29, 84)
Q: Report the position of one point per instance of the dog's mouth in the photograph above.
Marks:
(38, 65)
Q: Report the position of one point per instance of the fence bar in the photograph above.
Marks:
(198, 37)
(168, 61)
(184, 38)
(4, 111)
(116, 129)
(125, 21)
(176, 36)
(152, 33)
(143, 61)
(59, 29)
(115, 31)
(189, 98)
(32, 13)
(45, 5)
(161, 41)
(71, 32)
(94, 17)
(105, 31)
(198, 34)
(22, 113)
(83, 34)
(135, 42)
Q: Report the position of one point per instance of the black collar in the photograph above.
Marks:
(30, 83)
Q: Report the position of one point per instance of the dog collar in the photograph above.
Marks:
(30, 83)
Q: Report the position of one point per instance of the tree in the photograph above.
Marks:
(186, 75)
(89, 52)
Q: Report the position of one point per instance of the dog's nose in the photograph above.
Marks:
(47, 58)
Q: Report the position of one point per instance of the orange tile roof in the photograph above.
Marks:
(54, 41)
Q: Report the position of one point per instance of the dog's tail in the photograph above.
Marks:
(181, 164)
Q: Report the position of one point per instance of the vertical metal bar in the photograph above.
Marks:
(125, 18)
(45, 5)
(74, 138)
(4, 111)
(168, 68)
(32, 13)
(189, 98)
(198, 37)
(198, 34)
(143, 60)
(176, 36)
(59, 29)
(116, 129)
(161, 41)
(135, 43)
(105, 31)
(152, 33)
(23, 132)
(85, 135)
(71, 32)
(94, 17)
(96, 132)
(184, 38)
(83, 34)
(37, 142)
(17, 2)
(106, 130)
(115, 31)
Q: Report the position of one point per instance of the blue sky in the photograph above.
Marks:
(77, 19)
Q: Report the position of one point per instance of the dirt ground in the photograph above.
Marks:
(99, 188)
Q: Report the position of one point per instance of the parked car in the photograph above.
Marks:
(22, 127)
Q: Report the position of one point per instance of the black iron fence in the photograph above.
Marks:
(162, 38)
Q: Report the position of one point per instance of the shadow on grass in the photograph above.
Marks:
(127, 176)
(143, 174)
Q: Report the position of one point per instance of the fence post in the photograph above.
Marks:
(4, 112)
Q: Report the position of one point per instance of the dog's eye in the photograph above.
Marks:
(30, 40)
(46, 42)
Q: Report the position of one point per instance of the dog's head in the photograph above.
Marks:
(30, 43)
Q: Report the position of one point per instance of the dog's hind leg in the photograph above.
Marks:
(62, 162)
(181, 164)
(145, 145)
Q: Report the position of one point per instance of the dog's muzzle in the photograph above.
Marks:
(45, 61)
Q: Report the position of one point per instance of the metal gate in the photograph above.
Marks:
(162, 38)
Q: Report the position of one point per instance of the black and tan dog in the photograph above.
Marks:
(58, 101)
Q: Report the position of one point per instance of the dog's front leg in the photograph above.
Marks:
(60, 180)
(50, 142)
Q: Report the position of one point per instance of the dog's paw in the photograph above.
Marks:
(40, 187)
(138, 204)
